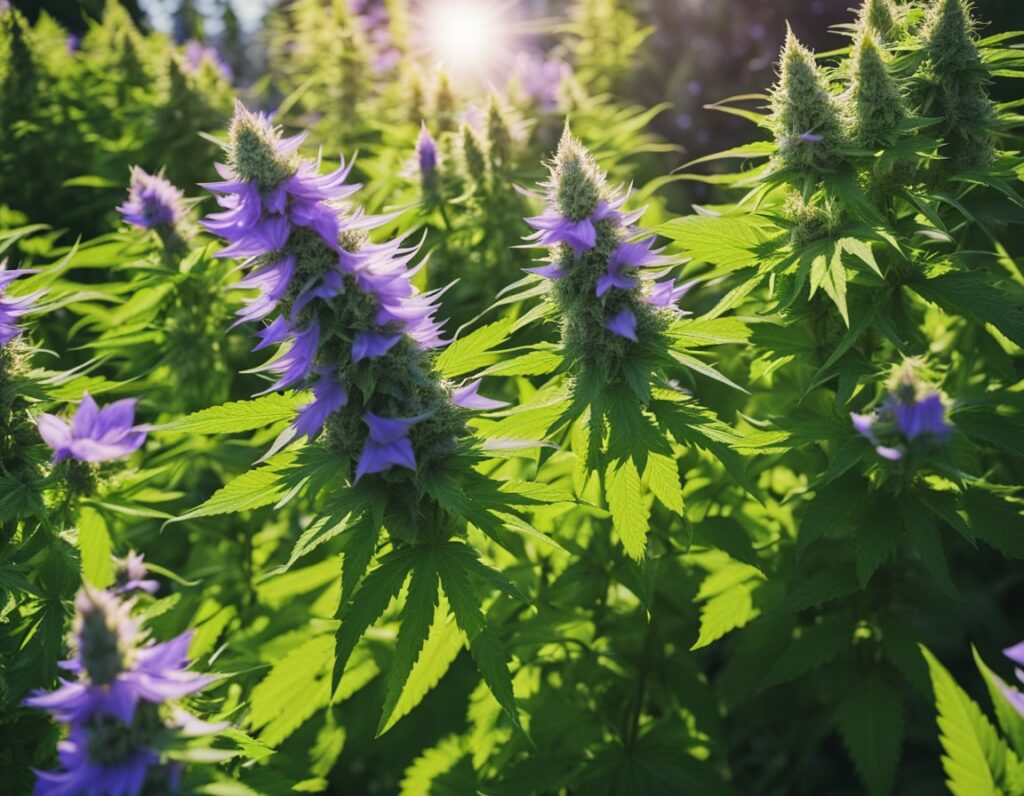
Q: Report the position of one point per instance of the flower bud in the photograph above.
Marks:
(879, 17)
(804, 114)
(104, 632)
(878, 107)
(474, 155)
(956, 83)
(257, 153)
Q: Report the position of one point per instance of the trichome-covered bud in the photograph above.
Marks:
(599, 271)
(879, 17)
(445, 103)
(499, 133)
(577, 181)
(104, 633)
(257, 153)
(427, 157)
(877, 104)
(805, 115)
(474, 155)
(955, 83)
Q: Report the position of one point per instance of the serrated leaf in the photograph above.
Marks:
(974, 753)
(870, 719)
(661, 476)
(725, 612)
(971, 295)
(420, 604)
(239, 416)
(878, 536)
(364, 607)
(444, 643)
(630, 514)
(1010, 721)
(475, 350)
(484, 645)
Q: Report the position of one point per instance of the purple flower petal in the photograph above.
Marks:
(468, 397)
(623, 324)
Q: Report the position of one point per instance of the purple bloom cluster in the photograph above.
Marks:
(94, 435)
(910, 412)
(116, 704)
(197, 53)
(152, 201)
(307, 254)
(11, 307)
(579, 206)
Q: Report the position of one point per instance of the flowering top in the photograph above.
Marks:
(113, 706)
(911, 412)
(95, 435)
(12, 308)
(426, 152)
(352, 325)
(599, 267)
(152, 201)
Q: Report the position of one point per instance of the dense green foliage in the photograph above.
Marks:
(736, 531)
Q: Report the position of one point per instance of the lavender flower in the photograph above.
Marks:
(131, 575)
(113, 704)
(12, 308)
(387, 445)
(95, 435)
(328, 397)
(909, 413)
(668, 293)
(624, 324)
(579, 234)
(468, 397)
(426, 153)
(1013, 695)
(74, 42)
(628, 256)
(197, 54)
(152, 201)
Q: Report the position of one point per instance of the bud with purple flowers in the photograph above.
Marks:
(912, 417)
(352, 326)
(120, 705)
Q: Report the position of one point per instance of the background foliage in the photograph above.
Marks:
(716, 558)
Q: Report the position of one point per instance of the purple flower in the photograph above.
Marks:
(95, 435)
(1013, 695)
(810, 138)
(628, 256)
(296, 363)
(152, 201)
(130, 575)
(74, 42)
(387, 444)
(908, 414)
(196, 53)
(623, 324)
(667, 294)
(370, 345)
(12, 308)
(116, 667)
(580, 236)
(112, 705)
(426, 152)
(926, 417)
(468, 397)
(328, 397)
